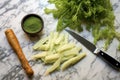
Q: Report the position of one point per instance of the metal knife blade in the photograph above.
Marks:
(114, 63)
(85, 42)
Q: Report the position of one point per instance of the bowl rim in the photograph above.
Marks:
(29, 15)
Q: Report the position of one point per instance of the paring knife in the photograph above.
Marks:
(114, 63)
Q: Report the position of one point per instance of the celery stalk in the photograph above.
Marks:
(72, 61)
(53, 67)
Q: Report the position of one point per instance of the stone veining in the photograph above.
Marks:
(11, 13)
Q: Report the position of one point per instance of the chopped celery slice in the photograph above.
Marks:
(72, 61)
(67, 58)
(66, 47)
(74, 51)
(59, 39)
(40, 42)
(44, 47)
(52, 57)
(39, 55)
(53, 67)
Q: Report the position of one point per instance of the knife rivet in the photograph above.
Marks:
(102, 54)
(117, 64)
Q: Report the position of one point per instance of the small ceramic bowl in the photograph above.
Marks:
(39, 29)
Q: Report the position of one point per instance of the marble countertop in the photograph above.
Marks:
(90, 68)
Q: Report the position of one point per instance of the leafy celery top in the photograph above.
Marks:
(97, 15)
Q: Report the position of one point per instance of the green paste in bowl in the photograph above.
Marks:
(32, 24)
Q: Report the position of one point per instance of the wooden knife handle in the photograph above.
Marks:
(13, 41)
